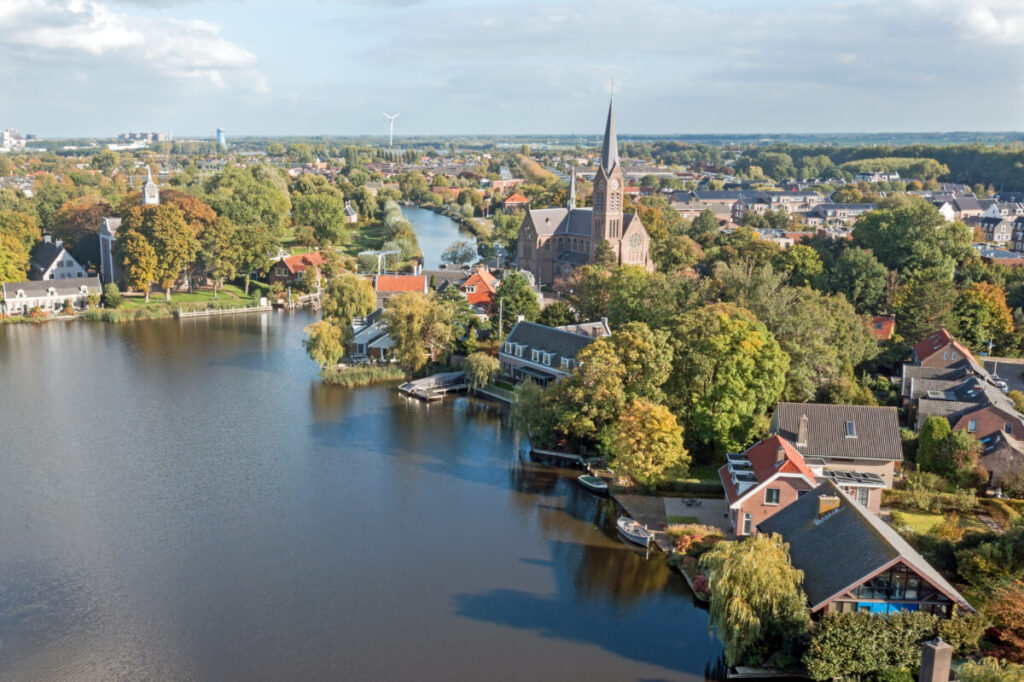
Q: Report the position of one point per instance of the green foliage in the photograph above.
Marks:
(111, 295)
(990, 670)
(324, 343)
(459, 253)
(604, 256)
(646, 357)
(421, 327)
(646, 443)
(353, 377)
(963, 632)
(927, 169)
(859, 276)
(481, 368)
(514, 297)
(756, 598)
(325, 213)
(346, 297)
(557, 314)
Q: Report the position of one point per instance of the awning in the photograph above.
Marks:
(536, 373)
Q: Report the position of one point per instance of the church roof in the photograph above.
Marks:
(610, 147)
(563, 221)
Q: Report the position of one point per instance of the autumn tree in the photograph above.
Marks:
(592, 396)
(646, 357)
(79, 217)
(14, 259)
(646, 443)
(420, 327)
(173, 241)
(325, 213)
(980, 315)
(756, 596)
(21, 226)
(254, 245)
(323, 343)
(139, 260)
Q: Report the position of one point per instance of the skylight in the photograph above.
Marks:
(851, 431)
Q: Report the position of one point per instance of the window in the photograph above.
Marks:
(945, 355)
(1008, 428)
(972, 425)
(851, 430)
(471, 290)
(771, 496)
(567, 364)
(519, 350)
(547, 359)
(534, 355)
(746, 524)
(954, 355)
(508, 347)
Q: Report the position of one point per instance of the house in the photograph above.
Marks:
(388, 286)
(882, 326)
(966, 206)
(940, 349)
(19, 298)
(541, 353)
(370, 336)
(516, 202)
(836, 215)
(945, 210)
(997, 230)
(861, 442)
(350, 213)
(479, 288)
(853, 561)
(877, 176)
(288, 269)
(50, 260)
(765, 478)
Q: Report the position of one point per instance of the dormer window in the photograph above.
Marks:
(851, 430)
(508, 347)
(547, 359)
(519, 350)
(471, 290)
(534, 355)
(567, 364)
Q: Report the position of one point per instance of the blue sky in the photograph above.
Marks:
(305, 67)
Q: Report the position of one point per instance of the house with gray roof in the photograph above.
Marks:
(20, 298)
(50, 260)
(853, 561)
(544, 354)
(863, 442)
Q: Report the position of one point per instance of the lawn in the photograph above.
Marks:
(367, 238)
(922, 523)
(703, 473)
(226, 293)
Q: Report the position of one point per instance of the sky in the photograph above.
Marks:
(78, 68)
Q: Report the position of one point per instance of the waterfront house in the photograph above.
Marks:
(388, 286)
(50, 260)
(859, 446)
(760, 481)
(370, 336)
(543, 354)
(19, 298)
(479, 289)
(853, 561)
(288, 269)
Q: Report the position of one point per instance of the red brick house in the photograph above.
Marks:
(288, 270)
(940, 349)
(516, 202)
(479, 288)
(767, 477)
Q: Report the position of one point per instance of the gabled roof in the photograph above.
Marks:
(63, 287)
(765, 464)
(301, 261)
(596, 329)
(517, 198)
(563, 343)
(577, 222)
(845, 548)
(882, 327)
(400, 283)
(44, 254)
(936, 341)
(876, 430)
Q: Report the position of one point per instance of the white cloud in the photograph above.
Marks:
(82, 30)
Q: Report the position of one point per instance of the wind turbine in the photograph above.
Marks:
(391, 130)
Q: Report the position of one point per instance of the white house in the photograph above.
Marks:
(51, 261)
(48, 295)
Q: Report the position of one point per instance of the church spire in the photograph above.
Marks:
(610, 148)
(572, 189)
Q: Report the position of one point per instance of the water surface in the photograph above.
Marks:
(435, 232)
(183, 501)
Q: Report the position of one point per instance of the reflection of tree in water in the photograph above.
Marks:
(532, 479)
(611, 571)
(328, 402)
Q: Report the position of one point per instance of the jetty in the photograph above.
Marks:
(436, 386)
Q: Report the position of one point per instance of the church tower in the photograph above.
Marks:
(150, 192)
(607, 222)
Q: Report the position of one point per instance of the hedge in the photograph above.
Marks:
(926, 501)
(1000, 510)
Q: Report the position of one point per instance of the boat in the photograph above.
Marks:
(593, 483)
(634, 531)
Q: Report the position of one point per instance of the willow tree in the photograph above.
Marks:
(346, 297)
(756, 599)
(481, 368)
(323, 343)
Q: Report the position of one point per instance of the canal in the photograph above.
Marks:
(434, 233)
(184, 501)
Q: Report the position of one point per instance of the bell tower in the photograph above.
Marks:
(150, 191)
(607, 221)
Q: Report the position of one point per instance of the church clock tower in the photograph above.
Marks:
(607, 212)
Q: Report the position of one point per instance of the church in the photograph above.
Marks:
(110, 269)
(553, 241)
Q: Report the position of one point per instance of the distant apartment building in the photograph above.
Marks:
(141, 137)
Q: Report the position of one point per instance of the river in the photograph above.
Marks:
(434, 233)
(184, 501)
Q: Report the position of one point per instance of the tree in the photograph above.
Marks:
(253, 196)
(592, 396)
(557, 314)
(646, 357)
(139, 260)
(344, 298)
(323, 343)
(325, 213)
(254, 245)
(676, 252)
(105, 160)
(924, 303)
(420, 327)
(728, 370)
(646, 443)
(459, 253)
(14, 259)
(587, 291)
(173, 242)
(79, 217)
(21, 226)
(980, 315)
(481, 368)
(513, 298)
(756, 598)
(218, 251)
(704, 225)
(952, 454)
(604, 256)
(859, 276)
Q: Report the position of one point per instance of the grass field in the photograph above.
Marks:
(703, 473)
(226, 293)
(921, 522)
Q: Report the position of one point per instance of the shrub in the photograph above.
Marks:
(1013, 485)
(111, 295)
(894, 674)
(700, 585)
(93, 300)
(963, 632)
(848, 644)
(990, 670)
(949, 528)
(352, 377)
(1002, 512)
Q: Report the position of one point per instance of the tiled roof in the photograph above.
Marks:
(764, 463)
(517, 198)
(301, 261)
(562, 343)
(63, 287)
(876, 430)
(44, 254)
(935, 342)
(845, 548)
(882, 327)
(397, 283)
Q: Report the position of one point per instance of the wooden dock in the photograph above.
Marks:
(436, 386)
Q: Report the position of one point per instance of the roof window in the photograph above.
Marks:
(851, 430)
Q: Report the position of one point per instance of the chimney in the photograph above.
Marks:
(780, 455)
(58, 242)
(827, 503)
(801, 434)
(936, 659)
(47, 239)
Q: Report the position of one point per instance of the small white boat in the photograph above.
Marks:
(593, 483)
(634, 531)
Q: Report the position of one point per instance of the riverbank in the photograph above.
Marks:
(355, 377)
(479, 230)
